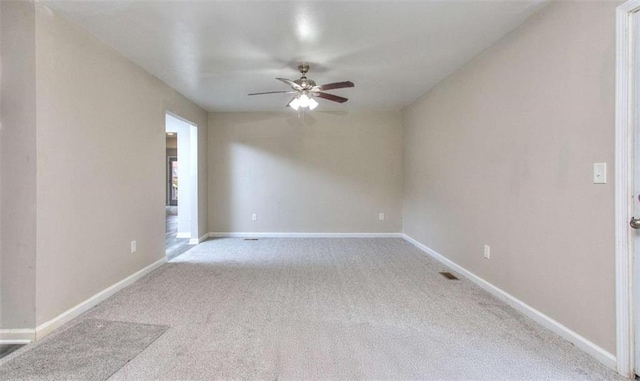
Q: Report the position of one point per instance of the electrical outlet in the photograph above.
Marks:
(381, 216)
(487, 252)
(254, 217)
(134, 246)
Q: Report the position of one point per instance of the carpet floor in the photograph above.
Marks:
(93, 349)
(343, 309)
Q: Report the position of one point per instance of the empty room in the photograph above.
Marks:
(319, 190)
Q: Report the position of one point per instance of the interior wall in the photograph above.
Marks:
(1, 54)
(101, 164)
(326, 172)
(18, 152)
(502, 152)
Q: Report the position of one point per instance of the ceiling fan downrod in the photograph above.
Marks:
(304, 68)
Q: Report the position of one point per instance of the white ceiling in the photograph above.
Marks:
(216, 52)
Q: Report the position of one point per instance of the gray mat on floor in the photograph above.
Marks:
(93, 349)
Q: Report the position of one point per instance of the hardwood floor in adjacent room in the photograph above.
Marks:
(174, 246)
(6, 349)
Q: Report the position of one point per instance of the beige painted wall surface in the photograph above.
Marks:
(18, 148)
(332, 173)
(1, 55)
(501, 153)
(101, 165)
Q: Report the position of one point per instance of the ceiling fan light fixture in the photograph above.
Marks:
(295, 104)
(312, 104)
(304, 100)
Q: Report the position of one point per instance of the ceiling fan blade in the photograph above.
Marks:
(274, 92)
(331, 97)
(337, 85)
(290, 83)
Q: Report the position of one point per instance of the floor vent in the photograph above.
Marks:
(448, 275)
(250, 239)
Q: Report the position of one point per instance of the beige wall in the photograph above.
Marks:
(1, 55)
(501, 153)
(328, 173)
(101, 165)
(18, 148)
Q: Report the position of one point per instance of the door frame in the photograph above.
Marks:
(624, 186)
(194, 152)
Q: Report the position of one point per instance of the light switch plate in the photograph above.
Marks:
(599, 173)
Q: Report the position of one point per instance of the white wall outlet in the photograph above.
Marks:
(381, 216)
(599, 173)
(134, 246)
(254, 217)
(487, 252)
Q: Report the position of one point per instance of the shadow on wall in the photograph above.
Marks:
(305, 173)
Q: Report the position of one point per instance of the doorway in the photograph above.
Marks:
(181, 185)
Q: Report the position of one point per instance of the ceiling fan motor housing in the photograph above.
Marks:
(305, 83)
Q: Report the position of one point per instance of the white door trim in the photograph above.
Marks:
(194, 172)
(624, 196)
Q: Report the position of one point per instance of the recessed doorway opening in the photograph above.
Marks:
(181, 185)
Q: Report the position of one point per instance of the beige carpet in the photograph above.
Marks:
(93, 349)
(331, 309)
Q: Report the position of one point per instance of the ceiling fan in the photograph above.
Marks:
(306, 89)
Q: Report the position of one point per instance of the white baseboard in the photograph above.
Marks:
(17, 336)
(579, 341)
(195, 241)
(301, 235)
(183, 235)
(45, 328)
